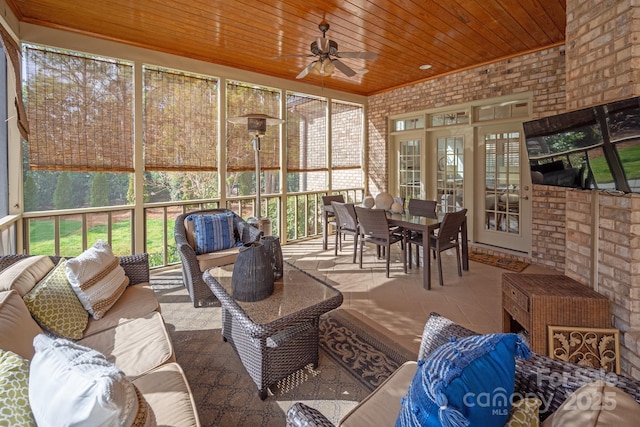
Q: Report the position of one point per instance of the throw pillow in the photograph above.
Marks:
(213, 232)
(55, 306)
(596, 404)
(24, 274)
(525, 413)
(73, 385)
(467, 381)
(14, 391)
(97, 278)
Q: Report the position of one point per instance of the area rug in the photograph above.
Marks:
(354, 359)
(496, 261)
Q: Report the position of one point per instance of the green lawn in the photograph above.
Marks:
(41, 235)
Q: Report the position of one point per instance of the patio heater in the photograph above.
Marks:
(257, 127)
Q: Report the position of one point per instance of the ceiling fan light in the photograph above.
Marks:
(324, 67)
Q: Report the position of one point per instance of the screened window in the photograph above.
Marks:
(81, 109)
(347, 145)
(180, 121)
(306, 142)
(244, 99)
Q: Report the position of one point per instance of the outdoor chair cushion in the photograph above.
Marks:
(17, 327)
(596, 404)
(136, 301)
(135, 346)
(168, 395)
(24, 274)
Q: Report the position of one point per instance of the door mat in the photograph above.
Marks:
(496, 261)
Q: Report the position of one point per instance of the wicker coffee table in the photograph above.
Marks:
(278, 335)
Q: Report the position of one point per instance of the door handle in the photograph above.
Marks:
(525, 197)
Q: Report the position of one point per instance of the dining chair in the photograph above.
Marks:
(346, 224)
(448, 237)
(419, 207)
(328, 216)
(422, 207)
(374, 228)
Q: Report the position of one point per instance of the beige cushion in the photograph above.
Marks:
(167, 392)
(136, 301)
(596, 404)
(190, 231)
(381, 407)
(24, 274)
(217, 258)
(135, 346)
(97, 278)
(55, 306)
(17, 327)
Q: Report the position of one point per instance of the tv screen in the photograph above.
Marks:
(592, 148)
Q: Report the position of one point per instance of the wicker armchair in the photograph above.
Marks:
(551, 380)
(193, 265)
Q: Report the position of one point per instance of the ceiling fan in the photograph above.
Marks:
(328, 56)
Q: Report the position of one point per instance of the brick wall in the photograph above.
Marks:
(548, 226)
(542, 73)
(602, 64)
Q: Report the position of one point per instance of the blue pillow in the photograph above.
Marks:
(213, 232)
(466, 382)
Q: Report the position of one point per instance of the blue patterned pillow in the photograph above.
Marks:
(213, 232)
(465, 382)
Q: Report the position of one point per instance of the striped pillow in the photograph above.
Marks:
(97, 278)
(213, 232)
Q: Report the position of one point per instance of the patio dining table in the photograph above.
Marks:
(426, 225)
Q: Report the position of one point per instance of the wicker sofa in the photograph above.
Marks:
(131, 334)
(194, 265)
(551, 380)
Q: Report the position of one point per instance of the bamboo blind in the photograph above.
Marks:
(306, 133)
(12, 51)
(346, 135)
(180, 121)
(249, 99)
(81, 111)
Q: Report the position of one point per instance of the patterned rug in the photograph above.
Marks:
(496, 261)
(354, 359)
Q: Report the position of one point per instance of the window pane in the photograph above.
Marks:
(81, 111)
(180, 121)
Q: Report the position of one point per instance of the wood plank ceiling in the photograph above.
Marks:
(449, 35)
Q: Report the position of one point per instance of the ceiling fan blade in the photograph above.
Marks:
(306, 70)
(343, 67)
(358, 55)
(304, 55)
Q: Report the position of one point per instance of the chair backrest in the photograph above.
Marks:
(373, 222)
(326, 200)
(345, 215)
(450, 226)
(421, 207)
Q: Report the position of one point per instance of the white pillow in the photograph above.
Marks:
(73, 385)
(97, 278)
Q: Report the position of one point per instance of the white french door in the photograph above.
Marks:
(409, 149)
(502, 189)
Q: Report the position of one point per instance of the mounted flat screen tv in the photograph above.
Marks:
(594, 148)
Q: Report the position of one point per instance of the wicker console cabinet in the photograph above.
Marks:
(531, 302)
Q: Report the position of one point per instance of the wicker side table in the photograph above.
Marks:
(531, 302)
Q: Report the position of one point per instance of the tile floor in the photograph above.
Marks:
(398, 306)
